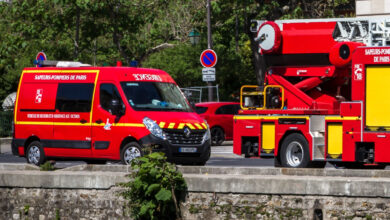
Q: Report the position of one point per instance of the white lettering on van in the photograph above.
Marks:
(151, 77)
(57, 116)
(60, 77)
(38, 96)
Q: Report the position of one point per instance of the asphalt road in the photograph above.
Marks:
(220, 156)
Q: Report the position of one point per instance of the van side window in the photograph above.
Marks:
(74, 97)
(108, 92)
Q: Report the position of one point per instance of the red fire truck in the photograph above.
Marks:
(324, 97)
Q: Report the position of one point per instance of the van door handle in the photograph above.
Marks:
(99, 121)
(83, 121)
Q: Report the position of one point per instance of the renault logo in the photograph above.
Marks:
(187, 132)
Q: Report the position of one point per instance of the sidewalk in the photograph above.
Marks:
(5, 145)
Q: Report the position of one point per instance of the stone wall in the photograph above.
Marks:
(44, 204)
(256, 206)
(91, 192)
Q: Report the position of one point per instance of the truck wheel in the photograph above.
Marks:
(217, 136)
(295, 151)
(35, 153)
(129, 152)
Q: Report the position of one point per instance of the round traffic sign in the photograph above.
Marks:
(208, 58)
(40, 56)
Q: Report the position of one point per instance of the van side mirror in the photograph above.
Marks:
(117, 108)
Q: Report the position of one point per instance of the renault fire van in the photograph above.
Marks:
(105, 113)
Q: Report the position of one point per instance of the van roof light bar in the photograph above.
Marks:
(52, 63)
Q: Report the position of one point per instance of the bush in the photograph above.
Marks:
(6, 119)
(155, 189)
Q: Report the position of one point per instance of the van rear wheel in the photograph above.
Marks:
(129, 152)
(35, 153)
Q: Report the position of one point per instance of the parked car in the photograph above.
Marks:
(219, 116)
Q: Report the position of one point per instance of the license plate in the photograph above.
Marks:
(187, 149)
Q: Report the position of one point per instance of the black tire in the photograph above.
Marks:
(217, 136)
(247, 149)
(35, 154)
(295, 151)
(130, 151)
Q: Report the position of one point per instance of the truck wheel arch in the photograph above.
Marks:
(127, 140)
(29, 141)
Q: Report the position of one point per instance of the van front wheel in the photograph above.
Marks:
(35, 154)
(129, 152)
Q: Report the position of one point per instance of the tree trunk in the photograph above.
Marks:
(115, 35)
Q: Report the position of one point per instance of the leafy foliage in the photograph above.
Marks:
(104, 31)
(47, 166)
(155, 188)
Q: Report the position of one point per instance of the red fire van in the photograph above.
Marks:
(105, 113)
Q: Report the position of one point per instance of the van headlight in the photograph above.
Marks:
(207, 134)
(154, 129)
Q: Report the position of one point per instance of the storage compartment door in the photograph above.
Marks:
(378, 97)
(335, 140)
(268, 137)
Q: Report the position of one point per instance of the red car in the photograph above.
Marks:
(219, 116)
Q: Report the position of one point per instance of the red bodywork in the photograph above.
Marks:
(216, 116)
(95, 132)
(322, 99)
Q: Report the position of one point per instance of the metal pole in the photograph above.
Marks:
(209, 45)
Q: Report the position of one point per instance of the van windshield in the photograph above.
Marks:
(155, 96)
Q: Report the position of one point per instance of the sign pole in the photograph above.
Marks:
(210, 45)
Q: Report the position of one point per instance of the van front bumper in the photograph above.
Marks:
(174, 152)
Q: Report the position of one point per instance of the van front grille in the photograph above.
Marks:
(177, 137)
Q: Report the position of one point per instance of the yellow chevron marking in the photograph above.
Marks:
(191, 126)
(162, 124)
(171, 125)
(204, 125)
(198, 126)
(181, 126)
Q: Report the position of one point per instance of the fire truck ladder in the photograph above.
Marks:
(372, 31)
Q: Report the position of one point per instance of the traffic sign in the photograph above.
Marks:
(208, 74)
(40, 56)
(208, 78)
(208, 58)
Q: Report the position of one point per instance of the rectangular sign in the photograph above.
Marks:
(208, 78)
(208, 74)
